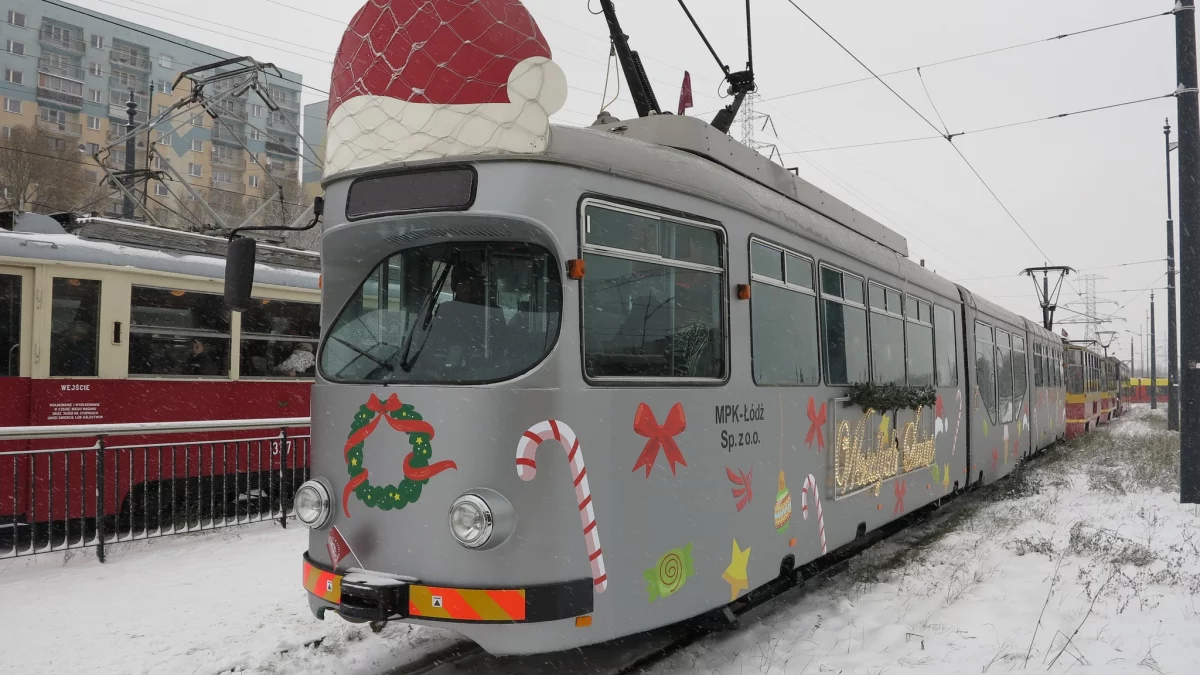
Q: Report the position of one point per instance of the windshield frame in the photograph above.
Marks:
(552, 339)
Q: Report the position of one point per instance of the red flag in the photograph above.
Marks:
(337, 547)
(1064, 332)
(685, 94)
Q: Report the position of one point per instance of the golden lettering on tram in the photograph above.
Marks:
(859, 463)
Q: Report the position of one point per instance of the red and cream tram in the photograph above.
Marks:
(117, 323)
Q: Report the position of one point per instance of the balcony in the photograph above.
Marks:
(235, 162)
(130, 59)
(60, 128)
(276, 148)
(64, 70)
(64, 42)
(233, 184)
(60, 90)
(119, 115)
(281, 121)
(222, 135)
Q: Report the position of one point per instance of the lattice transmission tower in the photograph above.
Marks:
(750, 118)
(1090, 302)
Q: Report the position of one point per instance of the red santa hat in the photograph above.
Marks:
(419, 79)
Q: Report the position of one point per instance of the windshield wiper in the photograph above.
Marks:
(424, 318)
(380, 362)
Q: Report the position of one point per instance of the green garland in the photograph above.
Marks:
(388, 497)
(871, 396)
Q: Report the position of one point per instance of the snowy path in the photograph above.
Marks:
(196, 604)
(959, 594)
(1081, 522)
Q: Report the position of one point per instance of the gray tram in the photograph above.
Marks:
(675, 323)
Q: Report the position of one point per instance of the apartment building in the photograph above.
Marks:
(70, 72)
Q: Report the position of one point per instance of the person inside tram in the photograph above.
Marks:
(74, 354)
(467, 333)
(299, 362)
(200, 362)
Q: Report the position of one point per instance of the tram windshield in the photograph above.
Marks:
(448, 313)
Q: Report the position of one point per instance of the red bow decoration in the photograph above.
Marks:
(816, 424)
(661, 436)
(995, 458)
(901, 489)
(743, 479)
(939, 409)
(383, 410)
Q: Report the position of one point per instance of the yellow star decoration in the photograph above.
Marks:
(735, 574)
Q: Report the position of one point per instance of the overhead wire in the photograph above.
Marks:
(970, 56)
(948, 137)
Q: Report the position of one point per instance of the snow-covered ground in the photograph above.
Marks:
(1087, 541)
(198, 604)
(1081, 563)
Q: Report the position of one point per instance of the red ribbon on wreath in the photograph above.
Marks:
(383, 410)
(661, 436)
(816, 424)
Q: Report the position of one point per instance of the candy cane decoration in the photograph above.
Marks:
(527, 469)
(958, 423)
(812, 482)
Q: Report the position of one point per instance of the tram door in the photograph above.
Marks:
(16, 326)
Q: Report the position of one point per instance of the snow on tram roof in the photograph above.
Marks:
(63, 247)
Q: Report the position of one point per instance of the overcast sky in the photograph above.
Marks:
(1090, 190)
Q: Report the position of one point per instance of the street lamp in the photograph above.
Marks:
(1172, 335)
(1106, 337)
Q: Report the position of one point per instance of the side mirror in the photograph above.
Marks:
(239, 273)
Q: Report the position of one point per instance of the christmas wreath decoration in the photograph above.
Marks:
(871, 396)
(417, 469)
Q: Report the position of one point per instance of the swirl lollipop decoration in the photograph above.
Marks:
(670, 573)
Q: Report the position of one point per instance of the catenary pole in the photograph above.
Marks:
(130, 157)
(1153, 359)
(1188, 114)
(1172, 328)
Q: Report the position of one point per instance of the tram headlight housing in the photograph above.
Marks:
(481, 519)
(312, 504)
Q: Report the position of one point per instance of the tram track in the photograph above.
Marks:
(635, 653)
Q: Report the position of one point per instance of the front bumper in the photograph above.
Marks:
(363, 597)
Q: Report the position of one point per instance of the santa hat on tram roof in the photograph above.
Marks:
(422, 79)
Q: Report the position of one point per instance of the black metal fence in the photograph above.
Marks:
(94, 485)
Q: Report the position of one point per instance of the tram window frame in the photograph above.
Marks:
(217, 369)
(985, 346)
(1004, 366)
(717, 345)
(91, 322)
(838, 297)
(947, 377)
(312, 339)
(765, 283)
(1020, 371)
(921, 323)
(891, 309)
(13, 289)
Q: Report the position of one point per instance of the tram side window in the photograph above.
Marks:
(1075, 372)
(75, 328)
(985, 369)
(783, 311)
(653, 296)
(887, 335)
(1037, 365)
(10, 325)
(845, 327)
(178, 332)
(279, 339)
(1020, 375)
(920, 343)
(946, 343)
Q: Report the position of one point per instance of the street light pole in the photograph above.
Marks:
(130, 157)
(1172, 329)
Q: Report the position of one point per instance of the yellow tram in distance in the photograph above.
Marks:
(1093, 388)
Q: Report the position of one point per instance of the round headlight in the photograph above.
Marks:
(471, 521)
(312, 504)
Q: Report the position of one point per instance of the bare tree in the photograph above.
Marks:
(40, 172)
